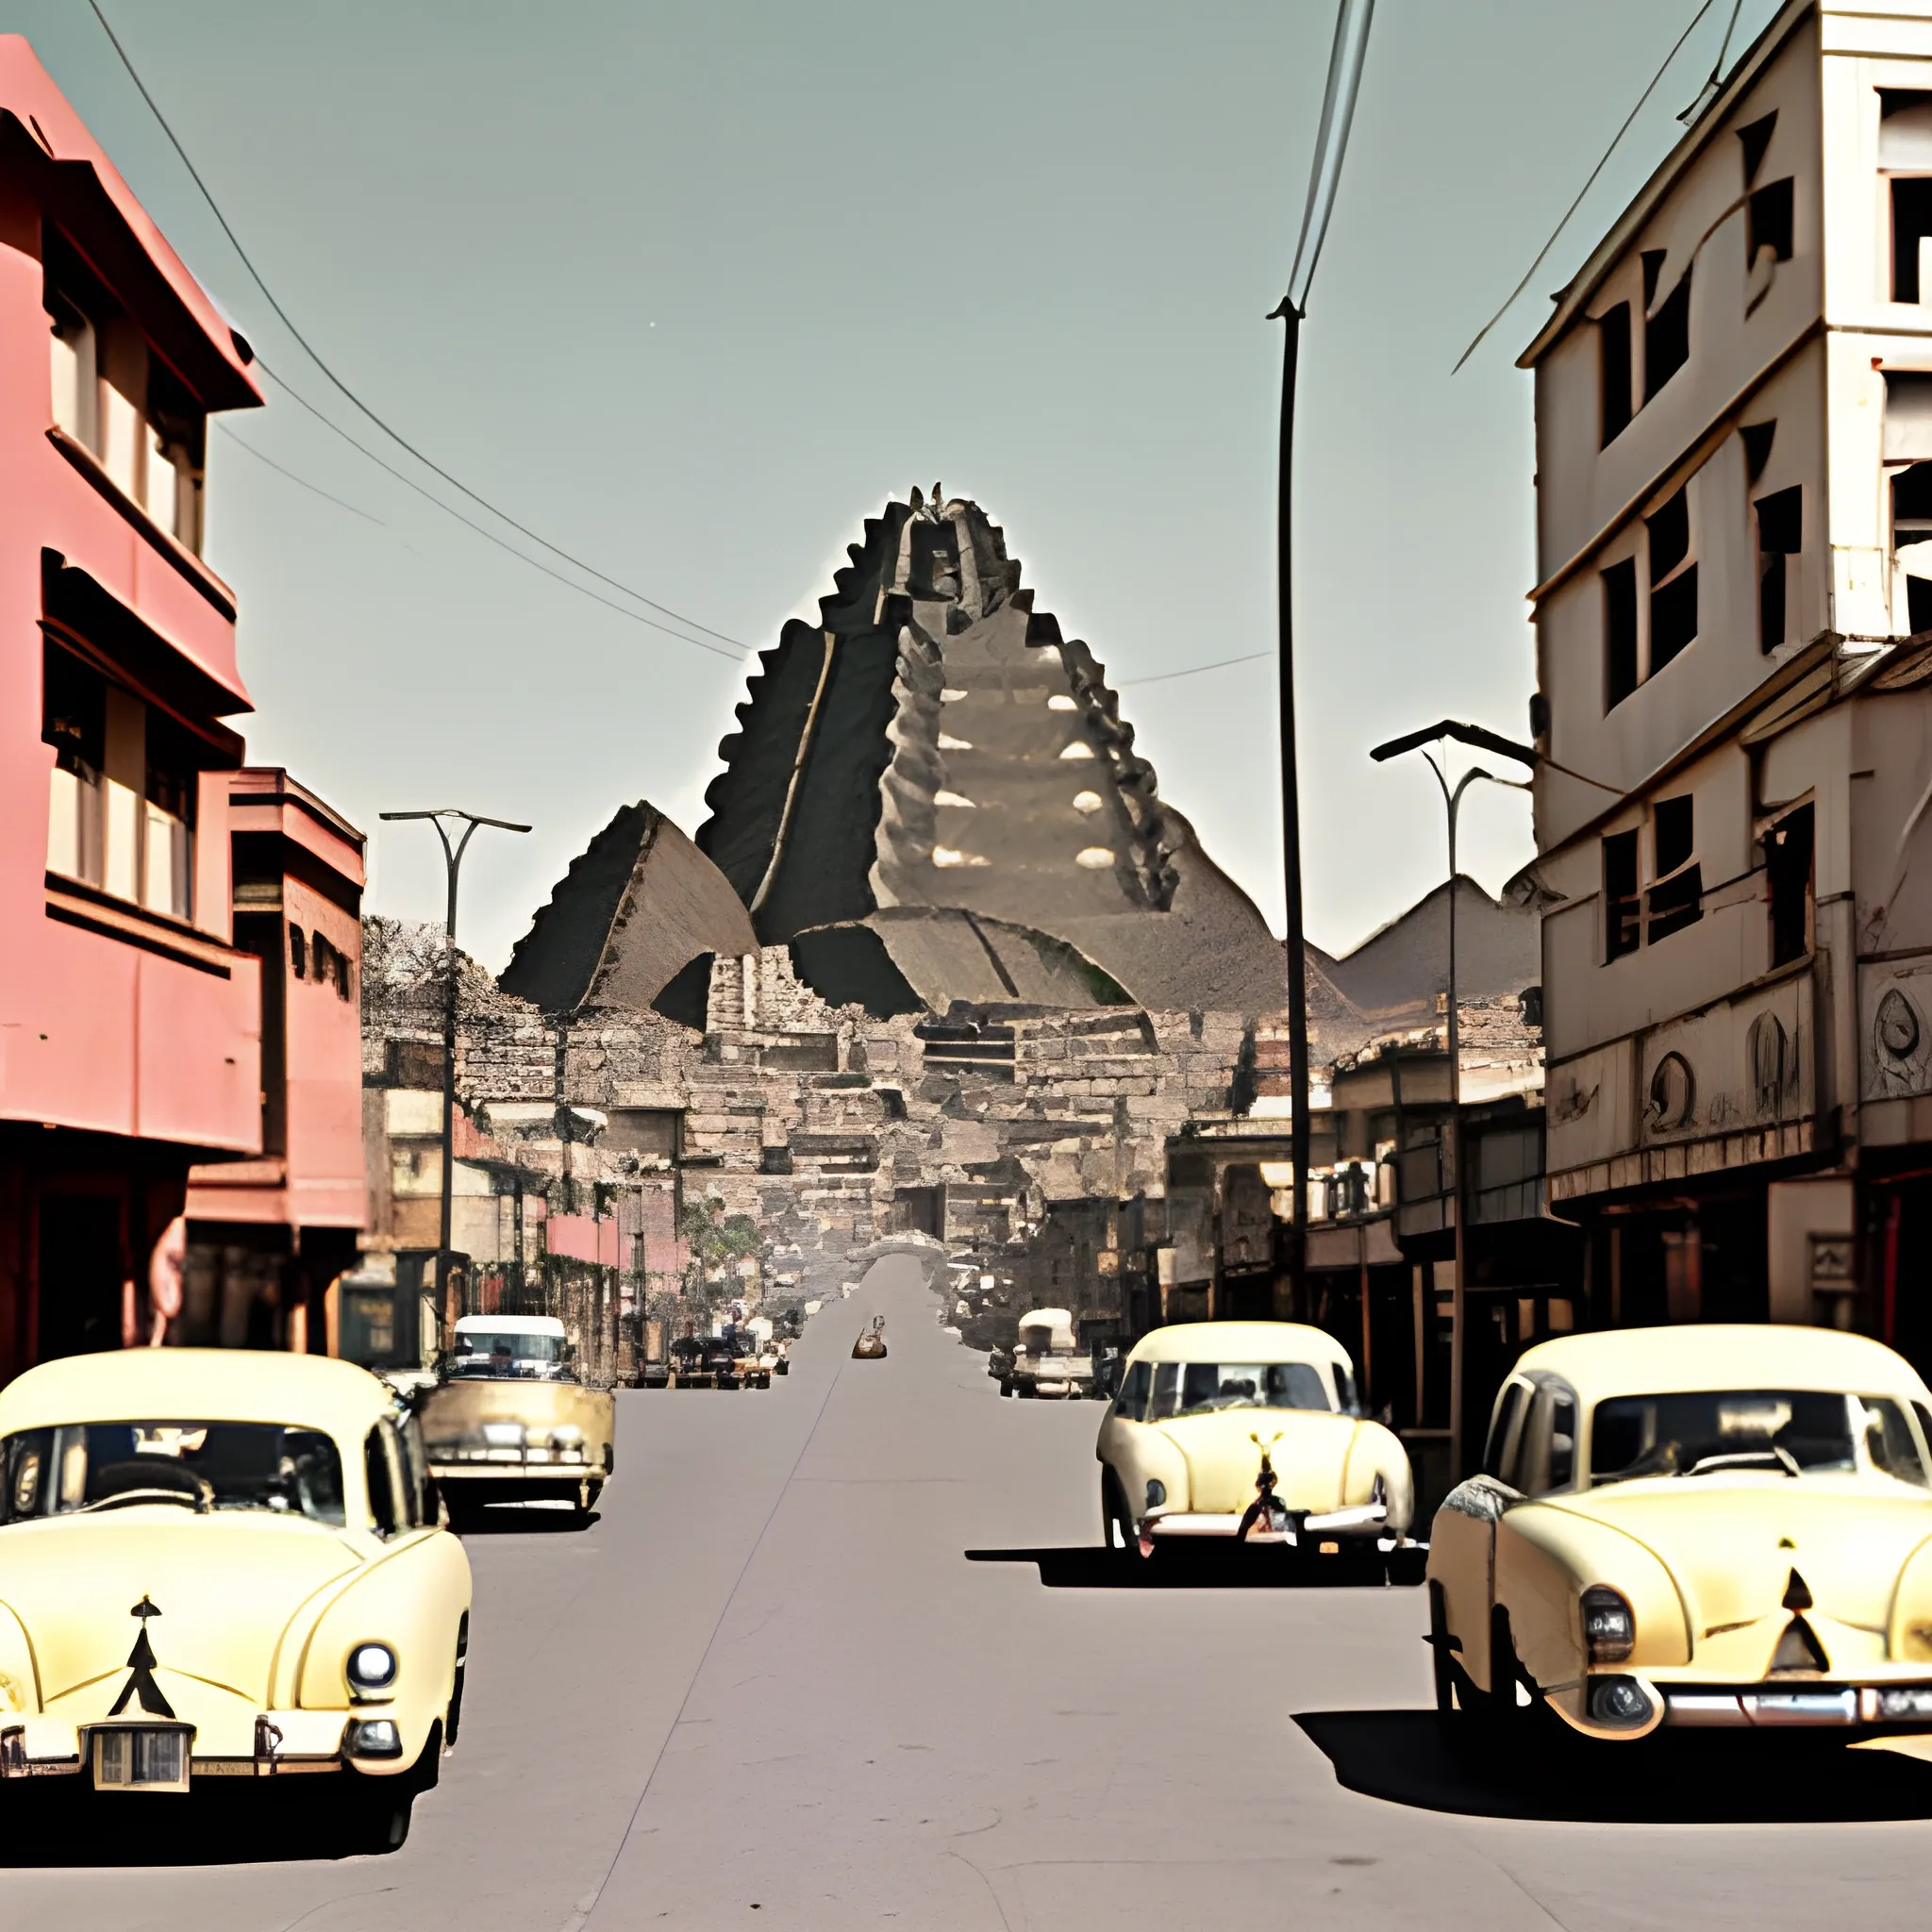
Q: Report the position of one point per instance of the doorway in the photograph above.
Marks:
(80, 1275)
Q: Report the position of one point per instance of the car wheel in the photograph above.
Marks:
(1006, 1385)
(452, 1720)
(368, 1817)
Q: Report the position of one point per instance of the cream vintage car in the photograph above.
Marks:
(1694, 1527)
(219, 1564)
(509, 1421)
(1248, 1431)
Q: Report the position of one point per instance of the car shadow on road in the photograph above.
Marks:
(1407, 1757)
(1097, 1568)
(54, 1825)
(516, 1519)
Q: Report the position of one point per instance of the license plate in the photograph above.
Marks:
(141, 1758)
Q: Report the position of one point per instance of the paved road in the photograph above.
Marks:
(767, 1681)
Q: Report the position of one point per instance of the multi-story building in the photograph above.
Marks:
(267, 1236)
(1734, 622)
(129, 1019)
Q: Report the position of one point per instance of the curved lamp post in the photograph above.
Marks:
(453, 861)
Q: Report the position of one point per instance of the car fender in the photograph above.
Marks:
(1547, 1556)
(1909, 1632)
(1377, 1451)
(20, 1676)
(1141, 1454)
(412, 1598)
(1462, 1565)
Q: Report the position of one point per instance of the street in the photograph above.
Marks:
(767, 1680)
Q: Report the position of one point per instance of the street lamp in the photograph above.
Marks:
(453, 860)
(1452, 801)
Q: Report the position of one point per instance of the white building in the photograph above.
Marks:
(1734, 619)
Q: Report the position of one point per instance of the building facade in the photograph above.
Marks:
(1734, 625)
(130, 1019)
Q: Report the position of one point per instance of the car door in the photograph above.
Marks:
(1462, 1540)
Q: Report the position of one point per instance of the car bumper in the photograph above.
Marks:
(283, 1743)
(1898, 1706)
(1328, 1533)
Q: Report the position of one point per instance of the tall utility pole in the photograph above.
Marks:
(1337, 107)
(453, 861)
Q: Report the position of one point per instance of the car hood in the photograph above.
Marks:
(1223, 1459)
(1734, 1545)
(223, 1585)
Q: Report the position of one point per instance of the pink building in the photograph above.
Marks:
(131, 1019)
(267, 1236)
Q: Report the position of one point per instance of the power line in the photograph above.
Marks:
(1195, 670)
(1542, 253)
(314, 490)
(410, 482)
(395, 435)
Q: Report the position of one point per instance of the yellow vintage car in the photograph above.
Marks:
(1248, 1432)
(218, 1565)
(509, 1421)
(1691, 1528)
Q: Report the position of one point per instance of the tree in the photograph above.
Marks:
(715, 1240)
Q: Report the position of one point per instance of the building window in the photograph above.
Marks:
(1905, 160)
(1673, 582)
(1675, 899)
(1780, 536)
(74, 699)
(1666, 327)
(1788, 847)
(1620, 632)
(298, 953)
(1768, 221)
(1912, 535)
(1613, 362)
(1621, 932)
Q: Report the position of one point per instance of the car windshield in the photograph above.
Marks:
(491, 1354)
(1795, 1432)
(1196, 1387)
(89, 1466)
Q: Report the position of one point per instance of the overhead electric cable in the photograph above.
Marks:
(1509, 301)
(395, 435)
(1195, 670)
(281, 382)
(314, 490)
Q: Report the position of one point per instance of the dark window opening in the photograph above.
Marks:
(1620, 895)
(1911, 525)
(1780, 537)
(1788, 855)
(1666, 335)
(1768, 221)
(1757, 438)
(1677, 903)
(1613, 352)
(1538, 714)
(1672, 618)
(1919, 605)
(1911, 223)
(174, 755)
(298, 953)
(1669, 536)
(73, 710)
(1620, 632)
(1754, 140)
(1676, 833)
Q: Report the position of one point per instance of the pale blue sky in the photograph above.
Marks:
(692, 288)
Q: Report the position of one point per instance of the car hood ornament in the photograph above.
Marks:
(141, 1667)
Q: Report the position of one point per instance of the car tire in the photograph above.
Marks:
(368, 1817)
(453, 1719)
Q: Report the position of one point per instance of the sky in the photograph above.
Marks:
(692, 287)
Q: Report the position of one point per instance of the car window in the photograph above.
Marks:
(1889, 1441)
(1183, 1388)
(1345, 1389)
(1803, 1431)
(205, 1466)
(1509, 1407)
(382, 1495)
(1562, 1462)
(415, 1469)
(1130, 1405)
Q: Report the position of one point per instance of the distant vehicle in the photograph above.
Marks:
(510, 1421)
(1047, 1361)
(1692, 1528)
(1248, 1432)
(258, 1537)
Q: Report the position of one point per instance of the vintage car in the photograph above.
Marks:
(1047, 1359)
(1693, 1526)
(509, 1421)
(1248, 1431)
(219, 1564)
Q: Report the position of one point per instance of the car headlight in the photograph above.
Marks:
(1609, 1629)
(1157, 1492)
(376, 1736)
(371, 1670)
